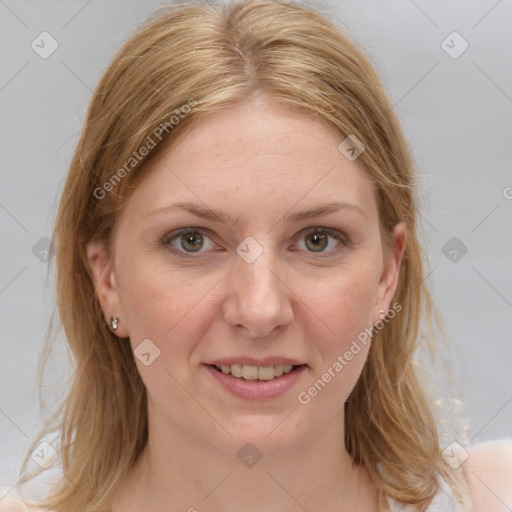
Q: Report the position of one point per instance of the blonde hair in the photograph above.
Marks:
(213, 57)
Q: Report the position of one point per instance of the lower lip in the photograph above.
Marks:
(257, 389)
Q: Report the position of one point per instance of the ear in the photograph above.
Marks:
(389, 278)
(105, 285)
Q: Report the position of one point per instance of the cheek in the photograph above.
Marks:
(345, 302)
(162, 302)
(345, 305)
(173, 310)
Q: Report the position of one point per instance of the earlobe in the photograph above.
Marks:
(105, 286)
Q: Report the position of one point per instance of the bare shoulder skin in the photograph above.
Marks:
(488, 470)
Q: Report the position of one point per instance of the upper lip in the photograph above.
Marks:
(251, 361)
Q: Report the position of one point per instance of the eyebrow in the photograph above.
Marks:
(225, 218)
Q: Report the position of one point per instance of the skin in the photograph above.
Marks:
(258, 162)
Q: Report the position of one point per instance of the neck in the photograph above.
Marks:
(177, 472)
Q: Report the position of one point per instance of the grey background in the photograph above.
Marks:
(457, 114)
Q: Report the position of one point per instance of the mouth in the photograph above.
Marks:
(256, 382)
(250, 372)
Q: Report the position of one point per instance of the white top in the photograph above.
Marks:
(444, 501)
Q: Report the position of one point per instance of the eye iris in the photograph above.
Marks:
(194, 239)
(319, 241)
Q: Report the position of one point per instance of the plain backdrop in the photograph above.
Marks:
(456, 109)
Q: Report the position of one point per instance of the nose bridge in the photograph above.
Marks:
(255, 258)
(257, 298)
(258, 278)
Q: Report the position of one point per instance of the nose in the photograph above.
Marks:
(258, 302)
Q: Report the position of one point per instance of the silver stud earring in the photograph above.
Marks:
(114, 322)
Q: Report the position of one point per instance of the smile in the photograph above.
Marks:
(256, 382)
(248, 372)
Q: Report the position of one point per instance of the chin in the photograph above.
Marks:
(271, 434)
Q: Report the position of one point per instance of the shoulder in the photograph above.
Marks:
(488, 470)
(11, 502)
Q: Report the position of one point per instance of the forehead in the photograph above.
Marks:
(264, 157)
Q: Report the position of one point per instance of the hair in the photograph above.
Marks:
(196, 58)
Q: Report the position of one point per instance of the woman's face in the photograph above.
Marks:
(282, 264)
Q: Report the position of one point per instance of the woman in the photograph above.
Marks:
(241, 283)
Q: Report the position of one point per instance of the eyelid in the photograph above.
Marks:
(166, 239)
(334, 233)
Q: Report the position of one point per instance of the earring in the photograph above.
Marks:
(114, 322)
(381, 313)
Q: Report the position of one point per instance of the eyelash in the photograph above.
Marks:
(337, 235)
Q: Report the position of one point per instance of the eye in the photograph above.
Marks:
(188, 241)
(322, 240)
(316, 240)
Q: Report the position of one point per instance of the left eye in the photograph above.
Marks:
(191, 240)
(316, 240)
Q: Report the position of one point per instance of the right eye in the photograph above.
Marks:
(187, 241)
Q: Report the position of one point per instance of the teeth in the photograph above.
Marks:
(279, 370)
(236, 370)
(255, 372)
(250, 372)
